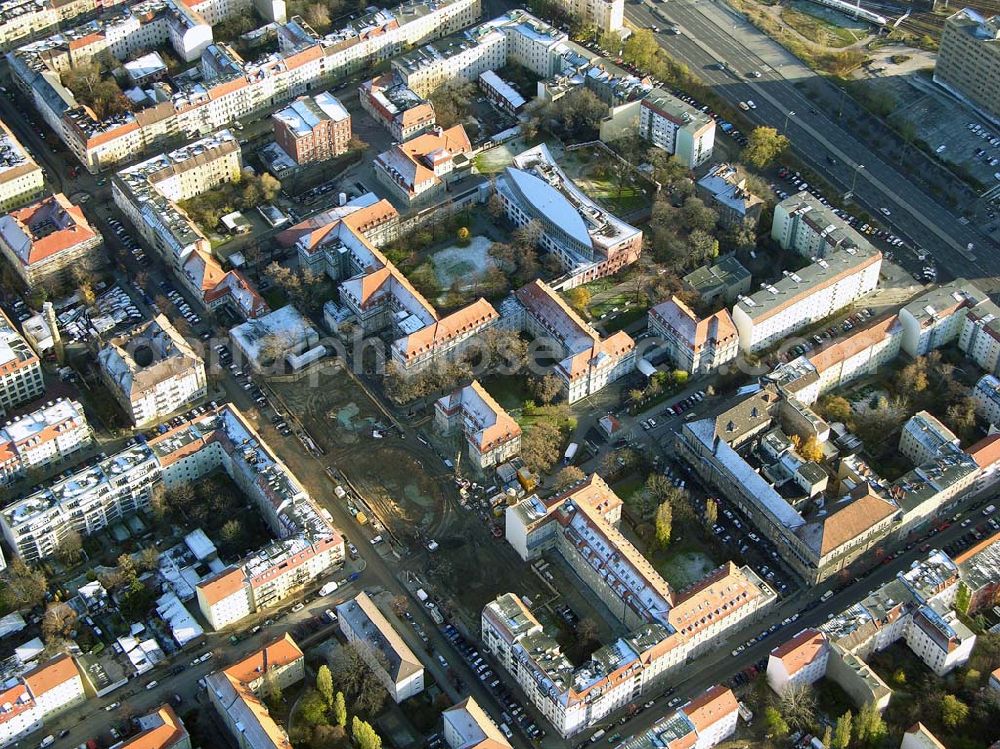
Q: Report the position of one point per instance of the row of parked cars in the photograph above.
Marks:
(513, 711)
(126, 239)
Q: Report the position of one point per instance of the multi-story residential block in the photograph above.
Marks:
(230, 88)
(21, 179)
(389, 658)
(42, 693)
(979, 570)
(148, 194)
(801, 298)
(374, 295)
(49, 435)
(152, 371)
(979, 338)
(968, 62)
(313, 128)
(923, 438)
(606, 15)
(45, 240)
(419, 170)
(587, 363)
(669, 627)
(696, 346)
(816, 544)
(677, 127)
(914, 607)
(20, 19)
(467, 726)
(396, 107)
(85, 502)
(803, 224)
(725, 280)
(938, 317)
(798, 661)
(724, 188)
(588, 241)
(266, 341)
(493, 437)
(236, 693)
(516, 36)
(857, 355)
(160, 729)
(20, 369)
(707, 720)
(376, 221)
(56, 686)
(90, 499)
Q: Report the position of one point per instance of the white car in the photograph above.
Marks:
(744, 106)
(885, 211)
(751, 104)
(940, 148)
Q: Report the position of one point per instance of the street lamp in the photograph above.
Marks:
(790, 113)
(854, 181)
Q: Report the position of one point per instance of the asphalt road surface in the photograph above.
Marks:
(713, 34)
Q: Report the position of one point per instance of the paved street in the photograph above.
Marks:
(712, 33)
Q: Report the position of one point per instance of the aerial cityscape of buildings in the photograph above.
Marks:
(487, 378)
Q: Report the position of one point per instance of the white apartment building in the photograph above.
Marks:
(589, 363)
(24, 18)
(798, 661)
(399, 670)
(606, 15)
(53, 433)
(693, 345)
(517, 36)
(801, 298)
(236, 693)
(148, 193)
(43, 692)
(21, 179)
(986, 396)
(915, 607)
(20, 369)
(858, 355)
(924, 438)
(803, 224)
(937, 317)
(467, 726)
(668, 627)
(588, 241)
(87, 501)
(980, 336)
(677, 127)
(707, 720)
(493, 437)
(152, 371)
(307, 546)
(232, 88)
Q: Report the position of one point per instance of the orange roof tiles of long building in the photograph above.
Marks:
(281, 652)
(801, 650)
(460, 321)
(51, 674)
(852, 520)
(221, 586)
(77, 231)
(166, 734)
(711, 599)
(986, 452)
(852, 345)
(711, 706)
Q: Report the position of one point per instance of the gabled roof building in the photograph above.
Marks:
(492, 436)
